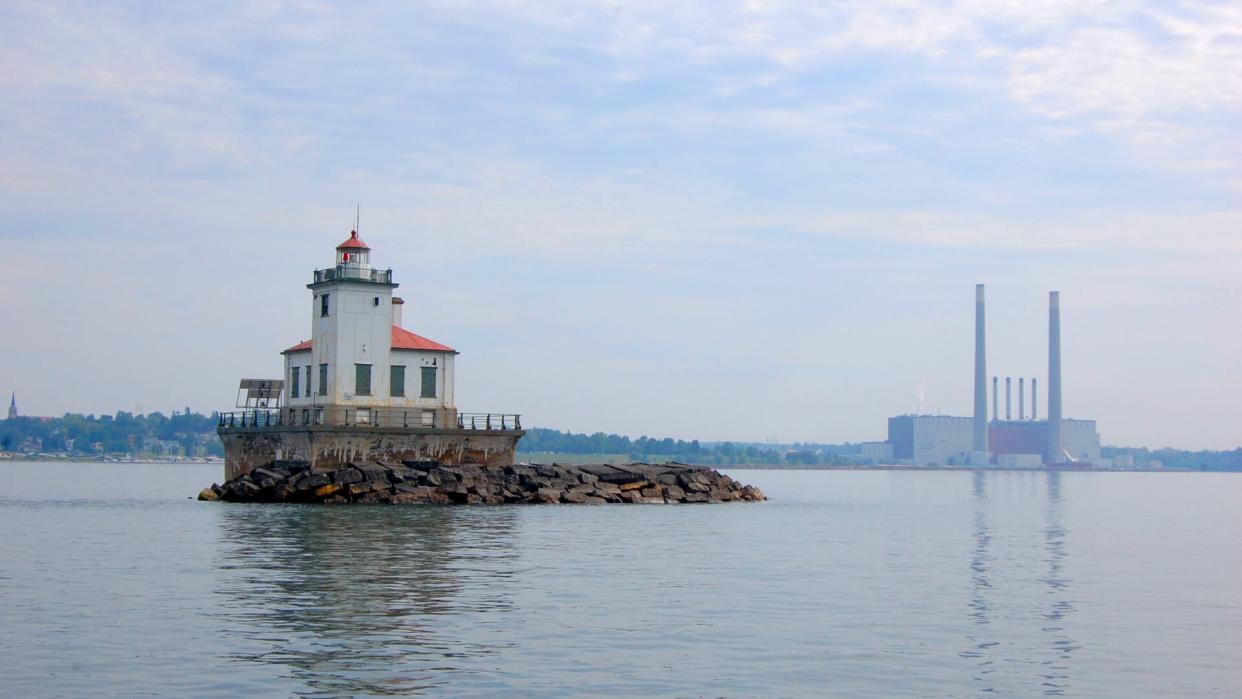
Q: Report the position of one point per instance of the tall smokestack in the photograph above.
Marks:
(995, 398)
(1021, 398)
(981, 376)
(1034, 399)
(1055, 445)
(1008, 400)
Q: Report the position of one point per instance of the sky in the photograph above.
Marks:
(705, 220)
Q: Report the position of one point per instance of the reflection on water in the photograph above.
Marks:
(1056, 677)
(980, 583)
(346, 600)
(986, 574)
(1014, 584)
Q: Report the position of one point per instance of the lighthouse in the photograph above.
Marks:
(362, 387)
(359, 358)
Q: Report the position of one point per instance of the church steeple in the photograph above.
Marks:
(12, 405)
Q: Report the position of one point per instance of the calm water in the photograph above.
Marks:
(846, 584)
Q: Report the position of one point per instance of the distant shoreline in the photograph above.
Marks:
(735, 467)
(107, 460)
(551, 458)
(938, 469)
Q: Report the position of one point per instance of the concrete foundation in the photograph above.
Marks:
(330, 448)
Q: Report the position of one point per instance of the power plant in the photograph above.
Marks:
(1027, 442)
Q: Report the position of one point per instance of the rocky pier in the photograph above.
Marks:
(414, 482)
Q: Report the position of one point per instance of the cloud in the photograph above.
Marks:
(1136, 71)
(1209, 233)
(201, 95)
(696, 170)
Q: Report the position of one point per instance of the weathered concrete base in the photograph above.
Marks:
(432, 482)
(330, 448)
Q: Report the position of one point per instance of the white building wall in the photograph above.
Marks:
(360, 321)
(414, 361)
(301, 360)
(877, 452)
(361, 330)
(1081, 440)
(941, 439)
(450, 381)
(1019, 460)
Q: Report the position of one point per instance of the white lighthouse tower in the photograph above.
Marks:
(360, 364)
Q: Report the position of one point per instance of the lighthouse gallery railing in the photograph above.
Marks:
(370, 417)
(366, 274)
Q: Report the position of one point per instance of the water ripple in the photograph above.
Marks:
(845, 584)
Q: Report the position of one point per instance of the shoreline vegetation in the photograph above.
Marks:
(188, 437)
(530, 459)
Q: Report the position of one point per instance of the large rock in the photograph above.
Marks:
(347, 476)
(329, 489)
(434, 483)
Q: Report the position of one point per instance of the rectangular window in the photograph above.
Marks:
(293, 381)
(307, 391)
(323, 305)
(396, 384)
(362, 379)
(429, 382)
(323, 379)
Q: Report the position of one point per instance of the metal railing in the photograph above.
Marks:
(381, 276)
(251, 418)
(338, 416)
(488, 421)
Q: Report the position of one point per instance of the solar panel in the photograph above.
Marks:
(259, 393)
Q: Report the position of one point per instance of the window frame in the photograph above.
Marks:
(396, 389)
(358, 375)
(425, 372)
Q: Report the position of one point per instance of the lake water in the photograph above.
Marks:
(845, 584)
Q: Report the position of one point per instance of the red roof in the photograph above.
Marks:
(354, 242)
(402, 339)
(406, 340)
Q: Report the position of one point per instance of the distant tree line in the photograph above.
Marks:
(1180, 459)
(189, 433)
(193, 434)
(542, 440)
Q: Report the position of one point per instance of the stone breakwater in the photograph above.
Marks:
(433, 483)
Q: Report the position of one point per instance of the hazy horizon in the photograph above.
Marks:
(704, 222)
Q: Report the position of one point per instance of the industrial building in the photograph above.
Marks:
(1025, 442)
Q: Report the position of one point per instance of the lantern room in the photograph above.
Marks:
(353, 252)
